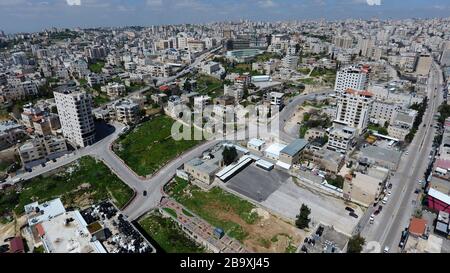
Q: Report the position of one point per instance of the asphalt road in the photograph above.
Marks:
(396, 214)
(142, 204)
(153, 186)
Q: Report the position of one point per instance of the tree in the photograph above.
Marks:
(187, 85)
(229, 155)
(245, 92)
(355, 244)
(303, 220)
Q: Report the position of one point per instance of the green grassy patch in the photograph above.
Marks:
(216, 206)
(170, 211)
(135, 87)
(83, 82)
(291, 248)
(308, 81)
(100, 100)
(4, 165)
(207, 85)
(378, 128)
(150, 146)
(187, 213)
(304, 70)
(266, 56)
(303, 130)
(319, 72)
(100, 182)
(168, 234)
(264, 242)
(97, 67)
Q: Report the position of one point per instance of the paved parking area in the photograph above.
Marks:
(277, 191)
(256, 183)
(328, 210)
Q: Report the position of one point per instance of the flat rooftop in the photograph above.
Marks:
(295, 147)
(62, 236)
(44, 212)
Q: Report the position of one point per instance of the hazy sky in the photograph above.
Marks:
(35, 15)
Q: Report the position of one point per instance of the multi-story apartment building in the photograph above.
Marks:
(424, 65)
(235, 90)
(445, 57)
(114, 90)
(42, 149)
(75, 113)
(341, 139)
(96, 52)
(200, 102)
(29, 88)
(354, 108)
(126, 111)
(210, 68)
(402, 124)
(10, 133)
(354, 77)
(94, 79)
(275, 98)
(384, 112)
(345, 41)
(290, 62)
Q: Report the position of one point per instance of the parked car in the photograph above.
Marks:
(145, 193)
(390, 186)
(417, 191)
(386, 249)
(349, 209)
(385, 200)
(354, 215)
(404, 238)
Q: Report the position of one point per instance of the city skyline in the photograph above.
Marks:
(34, 15)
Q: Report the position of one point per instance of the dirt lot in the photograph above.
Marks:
(255, 228)
(268, 234)
(292, 123)
(11, 229)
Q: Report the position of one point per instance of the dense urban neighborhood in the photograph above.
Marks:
(128, 140)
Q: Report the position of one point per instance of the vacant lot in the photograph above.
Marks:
(150, 146)
(168, 235)
(97, 67)
(80, 184)
(210, 86)
(255, 228)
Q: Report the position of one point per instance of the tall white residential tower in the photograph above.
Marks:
(353, 77)
(75, 114)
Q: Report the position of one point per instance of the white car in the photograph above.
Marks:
(407, 153)
(385, 199)
(389, 193)
(386, 249)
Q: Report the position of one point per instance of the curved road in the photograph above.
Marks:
(153, 185)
